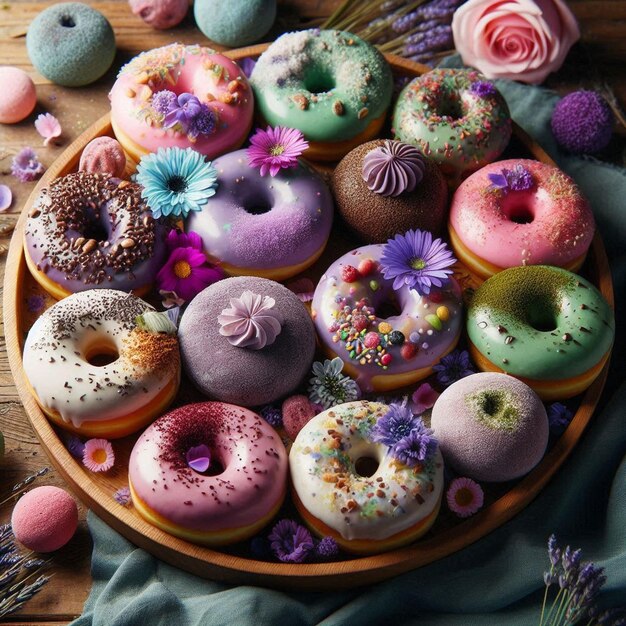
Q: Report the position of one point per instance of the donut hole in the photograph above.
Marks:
(101, 354)
(388, 308)
(258, 203)
(451, 107)
(541, 318)
(366, 466)
(319, 80)
(67, 21)
(518, 212)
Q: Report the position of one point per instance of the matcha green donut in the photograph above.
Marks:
(456, 117)
(329, 84)
(544, 325)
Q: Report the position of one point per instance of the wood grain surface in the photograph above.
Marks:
(599, 58)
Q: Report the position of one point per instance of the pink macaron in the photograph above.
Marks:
(17, 97)
(45, 519)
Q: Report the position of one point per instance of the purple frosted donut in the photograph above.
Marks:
(490, 427)
(273, 227)
(351, 309)
(246, 340)
(89, 230)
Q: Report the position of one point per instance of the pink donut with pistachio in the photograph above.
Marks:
(183, 96)
(353, 310)
(210, 473)
(520, 212)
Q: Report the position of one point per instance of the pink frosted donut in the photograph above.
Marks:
(139, 108)
(520, 212)
(210, 473)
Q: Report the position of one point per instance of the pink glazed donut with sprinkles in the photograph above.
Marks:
(150, 102)
(380, 351)
(210, 473)
(520, 212)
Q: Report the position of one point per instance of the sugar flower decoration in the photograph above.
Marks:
(199, 458)
(423, 398)
(290, 542)
(326, 549)
(275, 148)
(183, 111)
(329, 386)
(250, 321)
(98, 455)
(6, 197)
(48, 127)
(176, 181)
(26, 166)
(483, 89)
(396, 424)
(464, 497)
(122, 496)
(559, 417)
(453, 367)
(186, 272)
(516, 179)
(416, 260)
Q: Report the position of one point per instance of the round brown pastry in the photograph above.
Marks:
(385, 187)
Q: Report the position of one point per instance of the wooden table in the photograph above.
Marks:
(599, 58)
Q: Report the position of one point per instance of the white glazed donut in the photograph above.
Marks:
(93, 371)
(336, 495)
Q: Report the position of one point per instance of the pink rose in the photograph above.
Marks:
(518, 39)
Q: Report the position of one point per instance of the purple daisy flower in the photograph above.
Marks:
(416, 260)
(453, 367)
(417, 447)
(203, 123)
(483, 89)
(187, 107)
(326, 549)
(122, 496)
(187, 272)
(290, 542)
(275, 149)
(559, 417)
(394, 425)
(164, 101)
(26, 166)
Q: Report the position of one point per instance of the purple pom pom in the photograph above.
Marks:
(582, 122)
(326, 549)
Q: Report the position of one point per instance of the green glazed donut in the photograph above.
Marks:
(329, 84)
(456, 117)
(544, 325)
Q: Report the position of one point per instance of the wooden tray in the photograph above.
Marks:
(447, 536)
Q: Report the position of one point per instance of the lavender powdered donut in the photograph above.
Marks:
(490, 427)
(89, 231)
(246, 340)
(273, 227)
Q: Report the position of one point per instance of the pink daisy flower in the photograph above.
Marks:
(98, 455)
(187, 273)
(48, 127)
(276, 148)
(464, 497)
(424, 397)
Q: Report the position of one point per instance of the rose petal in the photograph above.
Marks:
(48, 127)
(6, 198)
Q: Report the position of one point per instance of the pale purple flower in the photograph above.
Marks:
(204, 123)
(6, 197)
(290, 542)
(483, 89)
(416, 260)
(35, 303)
(516, 179)
(122, 496)
(272, 415)
(394, 425)
(417, 447)
(453, 367)
(326, 549)
(274, 149)
(26, 166)
(48, 127)
(164, 101)
(424, 397)
(183, 112)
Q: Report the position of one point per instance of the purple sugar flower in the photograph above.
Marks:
(559, 417)
(326, 549)
(122, 496)
(453, 367)
(483, 89)
(517, 179)
(203, 123)
(188, 108)
(275, 148)
(164, 101)
(290, 542)
(417, 447)
(26, 166)
(395, 425)
(416, 260)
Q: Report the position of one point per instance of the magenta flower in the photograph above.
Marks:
(26, 166)
(178, 239)
(416, 260)
(187, 273)
(48, 127)
(424, 397)
(464, 497)
(276, 148)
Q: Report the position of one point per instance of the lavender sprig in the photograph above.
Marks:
(17, 489)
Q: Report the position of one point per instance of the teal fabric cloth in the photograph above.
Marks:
(499, 579)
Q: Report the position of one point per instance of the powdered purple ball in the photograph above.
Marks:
(103, 155)
(160, 14)
(297, 411)
(582, 122)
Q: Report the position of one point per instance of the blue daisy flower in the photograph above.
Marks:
(176, 181)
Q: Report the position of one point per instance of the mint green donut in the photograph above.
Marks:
(329, 84)
(540, 322)
(71, 44)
